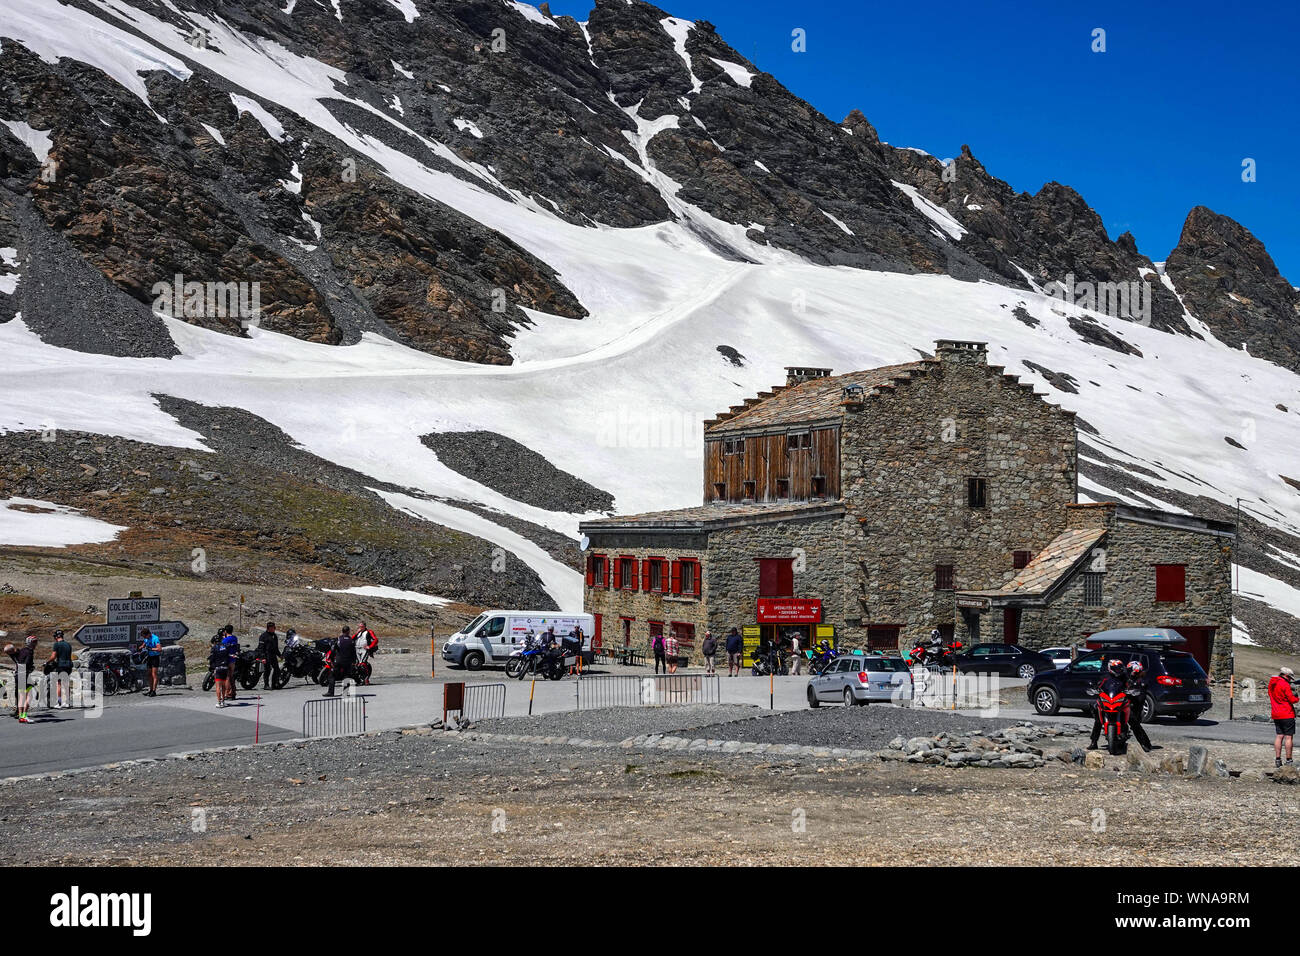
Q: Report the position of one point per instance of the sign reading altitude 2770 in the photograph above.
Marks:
(141, 610)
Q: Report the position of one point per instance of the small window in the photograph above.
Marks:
(1171, 582)
(656, 575)
(783, 487)
(798, 440)
(943, 577)
(627, 574)
(597, 574)
(1092, 588)
(720, 490)
(733, 447)
(1020, 559)
(819, 486)
(977, 492)
(748, 489)
(689, 577)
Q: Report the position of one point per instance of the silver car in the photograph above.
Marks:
(860, 679)
(1060, 655)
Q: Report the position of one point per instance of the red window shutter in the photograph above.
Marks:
(618, 577)
(596, 639)
(767, 572)
(645, 575)
(677, 577)
(785, 578)
(606, 578)
(591, 577)
(698, 575)
(1171, 582)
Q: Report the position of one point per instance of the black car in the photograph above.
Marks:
(1176, 684)
(1006, 660)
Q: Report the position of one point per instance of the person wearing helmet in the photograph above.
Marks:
(1137, 692)
(1114, 680)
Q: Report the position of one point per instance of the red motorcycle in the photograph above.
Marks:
(923, 656)
(1112, 711)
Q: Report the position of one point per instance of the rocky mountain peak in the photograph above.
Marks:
(1239, 293)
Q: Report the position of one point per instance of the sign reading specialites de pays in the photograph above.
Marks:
(789, 610)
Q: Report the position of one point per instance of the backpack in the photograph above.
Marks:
(659, 642)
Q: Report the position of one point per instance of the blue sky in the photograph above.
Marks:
(1157, 124)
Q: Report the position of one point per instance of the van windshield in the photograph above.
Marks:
(468, 628)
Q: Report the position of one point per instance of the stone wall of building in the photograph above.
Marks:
(818, 545)
(907, 454)
(1132, 551)
(646, 606)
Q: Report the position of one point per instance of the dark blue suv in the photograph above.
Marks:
(1176, 684)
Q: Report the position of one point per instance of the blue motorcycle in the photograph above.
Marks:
(822, 654)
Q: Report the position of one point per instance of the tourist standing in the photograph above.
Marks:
(342, 660)
(796, 655)
(709, 648)
(657, 645)
(670, 652)
(61, 658)
(219, 661)
(24, 660)
(152, 646)
(1282, 698)
(735, 652)
(268, 648)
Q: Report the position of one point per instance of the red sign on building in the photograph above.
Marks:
(789, 611)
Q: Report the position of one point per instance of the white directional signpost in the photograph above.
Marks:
(127, 617)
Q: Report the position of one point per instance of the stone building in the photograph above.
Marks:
(877, 505)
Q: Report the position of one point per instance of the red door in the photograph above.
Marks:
(1011, 625)
(1199, 641)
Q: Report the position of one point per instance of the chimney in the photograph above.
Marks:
(966, 353)
(796, 375)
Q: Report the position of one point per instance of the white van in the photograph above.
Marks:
(494, 635)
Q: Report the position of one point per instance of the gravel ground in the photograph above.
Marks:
(853, 728)
(447, 799)
(619, 723)
(859, 728)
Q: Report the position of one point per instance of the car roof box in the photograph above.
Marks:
(1138, 635)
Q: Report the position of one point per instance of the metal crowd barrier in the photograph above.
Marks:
(473, 701)
(649, 691)
(334, 716)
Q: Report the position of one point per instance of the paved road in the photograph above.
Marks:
(134, 726)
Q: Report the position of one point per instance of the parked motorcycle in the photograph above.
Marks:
(525, 661)
(823, 654)
(300, 659)
(1112, 709)
(359, 672)
(773, 662)
(923, 655)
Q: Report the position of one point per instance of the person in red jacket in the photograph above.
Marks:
(1283, 699)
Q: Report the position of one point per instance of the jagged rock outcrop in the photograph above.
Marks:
(1228, 281)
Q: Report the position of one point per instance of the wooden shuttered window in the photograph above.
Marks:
(1171, 582)
(677, 577)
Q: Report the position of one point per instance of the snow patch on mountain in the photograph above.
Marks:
(935, 214)
(53, 30)
(679, 30)
(29, 523)
(739, 75)
(38, 141)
